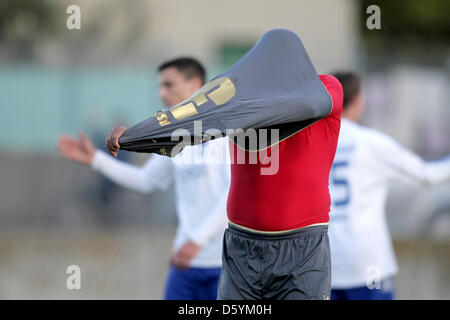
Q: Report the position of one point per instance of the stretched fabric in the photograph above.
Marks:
(273, 86)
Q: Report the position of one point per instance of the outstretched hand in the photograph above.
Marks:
(112, 140)
(81, 150)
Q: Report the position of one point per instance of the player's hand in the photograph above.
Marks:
(112, 140)
(81, 151)
(182, 258)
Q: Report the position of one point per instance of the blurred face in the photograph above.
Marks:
(174, 87)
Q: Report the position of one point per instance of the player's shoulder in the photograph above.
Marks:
(332, 84)
(217, 143)
(351, 127)
(355, 130)
(329, 79)
(335, 91)
(375, 138)
(158, 160)
(376, 134)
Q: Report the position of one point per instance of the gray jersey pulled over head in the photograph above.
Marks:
(274, 85)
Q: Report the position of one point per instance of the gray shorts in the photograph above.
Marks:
(290, 266)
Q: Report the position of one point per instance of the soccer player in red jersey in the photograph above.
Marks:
(277, 244)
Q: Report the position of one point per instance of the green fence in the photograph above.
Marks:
(38, 104)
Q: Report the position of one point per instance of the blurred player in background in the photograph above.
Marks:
(201, 189)
(363, 259)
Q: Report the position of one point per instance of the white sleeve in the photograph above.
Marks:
(155, 174)
(398, 163)
(212, 224)
(217, 220)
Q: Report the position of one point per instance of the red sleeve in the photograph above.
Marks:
(335, 91)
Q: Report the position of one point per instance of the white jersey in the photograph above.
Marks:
(359, 237)
(202, 179)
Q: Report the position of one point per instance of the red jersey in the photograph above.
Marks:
(297, 195)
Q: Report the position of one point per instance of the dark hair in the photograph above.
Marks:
(190, 67)
(351, 83)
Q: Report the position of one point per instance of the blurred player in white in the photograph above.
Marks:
(363, 259)
(202, 178)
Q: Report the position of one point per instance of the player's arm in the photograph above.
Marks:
(216, 221)
(220, 175)
(399, 163)
(155, 174)
(212, 224)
